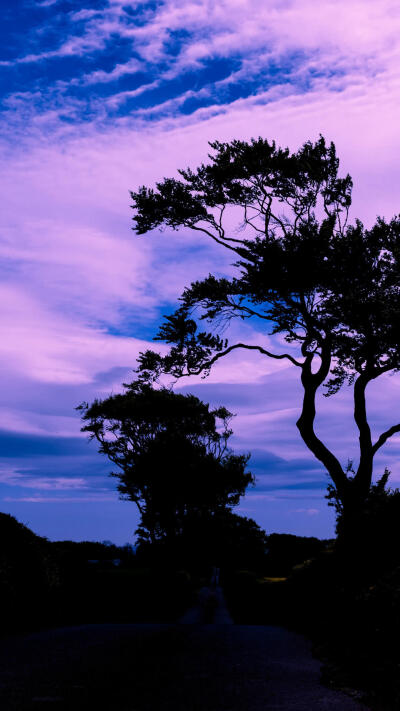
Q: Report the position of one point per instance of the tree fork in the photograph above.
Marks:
(305, 424)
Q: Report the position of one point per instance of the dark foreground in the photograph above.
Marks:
(187, 667)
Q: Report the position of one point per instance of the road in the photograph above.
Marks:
(182, 667)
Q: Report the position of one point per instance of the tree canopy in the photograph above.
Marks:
(330, 288)
(172, 456)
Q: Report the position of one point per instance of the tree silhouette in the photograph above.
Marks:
(331, 289)
(172, 456)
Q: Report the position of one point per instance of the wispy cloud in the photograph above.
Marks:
(61, 350)
(132, 66)
(45, 3)
(91, 498)
(39, 424)
(19, 478)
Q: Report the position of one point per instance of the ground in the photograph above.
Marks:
(191, 666)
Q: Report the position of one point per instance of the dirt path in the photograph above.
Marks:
(187, 667)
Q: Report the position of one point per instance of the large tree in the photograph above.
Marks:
(330, 288)
(172, 457)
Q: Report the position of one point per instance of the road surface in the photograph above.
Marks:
(182, 667)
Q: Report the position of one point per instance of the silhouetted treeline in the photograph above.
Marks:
(29, 574)
(59, 583)
(65, 582)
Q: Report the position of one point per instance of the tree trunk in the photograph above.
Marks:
(361, 484)
(311, 382)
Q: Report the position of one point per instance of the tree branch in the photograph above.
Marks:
(217, 356)
(249, 220)
(384, 437)
(246, 309)
(223, 241)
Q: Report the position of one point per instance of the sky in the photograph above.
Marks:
(101, 96)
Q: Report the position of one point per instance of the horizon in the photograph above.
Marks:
(101, 96)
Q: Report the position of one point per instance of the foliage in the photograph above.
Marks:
(368, 536)
(286, 550)
(173, 460)
(237, 541)
(223, 539)
(260, 594)
(29, 574)
(329, 288)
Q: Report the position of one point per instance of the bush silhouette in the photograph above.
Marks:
(29, 573)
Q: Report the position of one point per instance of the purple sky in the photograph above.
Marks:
(101, 96)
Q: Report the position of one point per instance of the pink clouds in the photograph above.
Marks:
(48, 346)
(81, 295)
(66, 226)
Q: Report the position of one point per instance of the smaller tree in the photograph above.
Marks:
(172, 456)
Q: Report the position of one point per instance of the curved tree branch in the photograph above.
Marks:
(209, 363)
(384, 437)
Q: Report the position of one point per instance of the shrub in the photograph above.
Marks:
(29, 574)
